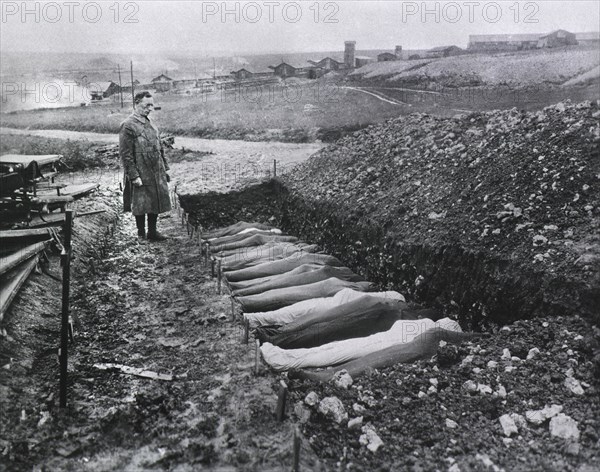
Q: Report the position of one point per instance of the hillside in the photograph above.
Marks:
(517, 69)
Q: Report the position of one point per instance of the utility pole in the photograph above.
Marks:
(132, 88)
(120, 85)
(214, 69)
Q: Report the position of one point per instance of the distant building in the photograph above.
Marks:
(588, 39)
(398, 52)
(349, 54)
(126, 88)
(162, 83)
(503, 42)
(444, 51)
(285, 70)
(100, 90)
(241, 74)
(363, 60)
(519, 42)
(556, 39)
(386, 57)
(328, 64)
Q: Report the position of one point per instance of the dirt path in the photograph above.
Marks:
(286, 152)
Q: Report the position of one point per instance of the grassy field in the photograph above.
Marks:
(295, 112)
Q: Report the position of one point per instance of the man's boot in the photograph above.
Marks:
(153, 234)
(140, 222)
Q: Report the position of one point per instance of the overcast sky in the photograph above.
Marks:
(201, 27)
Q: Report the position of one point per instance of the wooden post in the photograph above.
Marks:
(206, 254)
(219, 276)
(274, 168)
(256, 357)
(246, 330)
(296, 465)
(281, 399)
(212, 267)
(65, 259)
(132, 87)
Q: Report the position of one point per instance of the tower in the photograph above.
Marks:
(398, 52)
(349, 52)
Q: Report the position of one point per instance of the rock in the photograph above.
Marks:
(537, 417)
(519, 420)
(332, 407)
(573, 448)
(302, 412)
(492, 364)
(501, 392)
(358, 408)
(355, 423)
(311, 399)
(451, 424)
(539, 240)
(421, 394)
(470, 386)
(532, 353)
(342, 379)
(370, 439)
(573, 385)
(508, 425)
(565, 427)
(482, 388)
(506, 355)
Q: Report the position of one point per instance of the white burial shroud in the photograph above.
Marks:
(287, 314)
(338, 352)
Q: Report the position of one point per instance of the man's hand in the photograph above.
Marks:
(137, 182)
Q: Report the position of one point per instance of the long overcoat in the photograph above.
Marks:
(142, 156)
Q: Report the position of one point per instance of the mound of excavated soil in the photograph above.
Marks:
(495, 214)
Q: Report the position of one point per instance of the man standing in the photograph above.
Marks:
(146, 190)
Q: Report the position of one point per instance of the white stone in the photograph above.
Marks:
(470, 386)
(451, 424)
(334, 408)
(358, 408)
(483, 388)
(573, 385)
(370, 439)
(532, 353)
(564, 426)
(433, 382)
(342, 379)
(355, 423)
(501, 392)
(537, 417)
(508, 425)
(492, 364)
(506, 354)
(311, 399)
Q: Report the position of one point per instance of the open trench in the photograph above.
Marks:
(480, 291)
